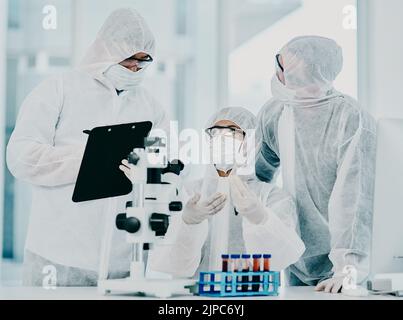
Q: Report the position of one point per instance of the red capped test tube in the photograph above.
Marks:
(245, 268)
(266, 262)
(257, 259)
(226, 268)
(236, 267)
(225, 262)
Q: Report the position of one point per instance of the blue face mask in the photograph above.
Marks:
(124, 79)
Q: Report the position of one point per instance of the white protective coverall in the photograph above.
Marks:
(326, 146)
(199, 247)
(46, 149)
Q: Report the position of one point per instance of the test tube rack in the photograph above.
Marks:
(239, 284)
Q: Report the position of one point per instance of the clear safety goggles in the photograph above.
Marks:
(232, 132)
(279, 67)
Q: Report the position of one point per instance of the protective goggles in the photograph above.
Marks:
(225, 131)
(143, 62)
(278, 63)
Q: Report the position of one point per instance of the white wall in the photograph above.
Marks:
(210, 64)
(3, 35)
(381, 56)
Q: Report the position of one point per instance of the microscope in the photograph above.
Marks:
(155, 198)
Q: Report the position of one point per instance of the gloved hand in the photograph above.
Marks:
(246, 202)
(197, 211)
(125, 168)
(332, 285)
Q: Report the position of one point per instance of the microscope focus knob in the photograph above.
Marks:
(175, 206)
(130, 225)
(159, 223)
(133, 158)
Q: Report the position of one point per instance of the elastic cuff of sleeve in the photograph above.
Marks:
(190, 225)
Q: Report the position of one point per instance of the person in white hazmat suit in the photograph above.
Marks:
(326, 145)
(46, 149)
(229, 210)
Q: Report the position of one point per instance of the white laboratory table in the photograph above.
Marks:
(291, 293)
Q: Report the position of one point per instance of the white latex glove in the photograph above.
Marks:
(125, 168)
(332, 285)
(246, 202)
(197, 211)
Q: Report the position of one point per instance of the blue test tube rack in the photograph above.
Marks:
(232, 284)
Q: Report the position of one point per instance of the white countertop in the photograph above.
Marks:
(290, 293)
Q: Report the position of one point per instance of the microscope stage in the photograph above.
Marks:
(150, 287)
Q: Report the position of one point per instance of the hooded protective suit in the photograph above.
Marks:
(199, 247)
(326, 147)
(47, 145)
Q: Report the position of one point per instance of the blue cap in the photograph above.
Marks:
(266, 256)
(235, 256)
(225, 256)
(246, 256)
(257, 256)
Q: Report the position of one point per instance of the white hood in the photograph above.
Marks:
(123, 34)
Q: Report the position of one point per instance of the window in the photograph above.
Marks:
(259, 29)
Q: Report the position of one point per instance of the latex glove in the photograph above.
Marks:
(197, 211)
(246, 202)
(332, 285)
(125, 168)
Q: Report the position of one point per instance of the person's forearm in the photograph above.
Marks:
(182, 257)
(266, 167)
(42, 164)
(276, 238)
(341, 258)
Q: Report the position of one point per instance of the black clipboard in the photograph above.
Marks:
(99, 175)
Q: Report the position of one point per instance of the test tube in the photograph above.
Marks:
(245, 268)
(266, 268)
(226, 268)
(266, 262)
(235, 260)
(225, 262)
(257, 258)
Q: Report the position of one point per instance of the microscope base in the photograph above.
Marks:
(150, 287)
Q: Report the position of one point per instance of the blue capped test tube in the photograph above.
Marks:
(236, 267)
(245, 268)
(226, 268)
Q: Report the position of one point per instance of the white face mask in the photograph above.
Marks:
(280, 91)
(225, 152)
(124, 79)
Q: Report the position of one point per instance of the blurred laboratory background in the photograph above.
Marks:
(210, 54)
